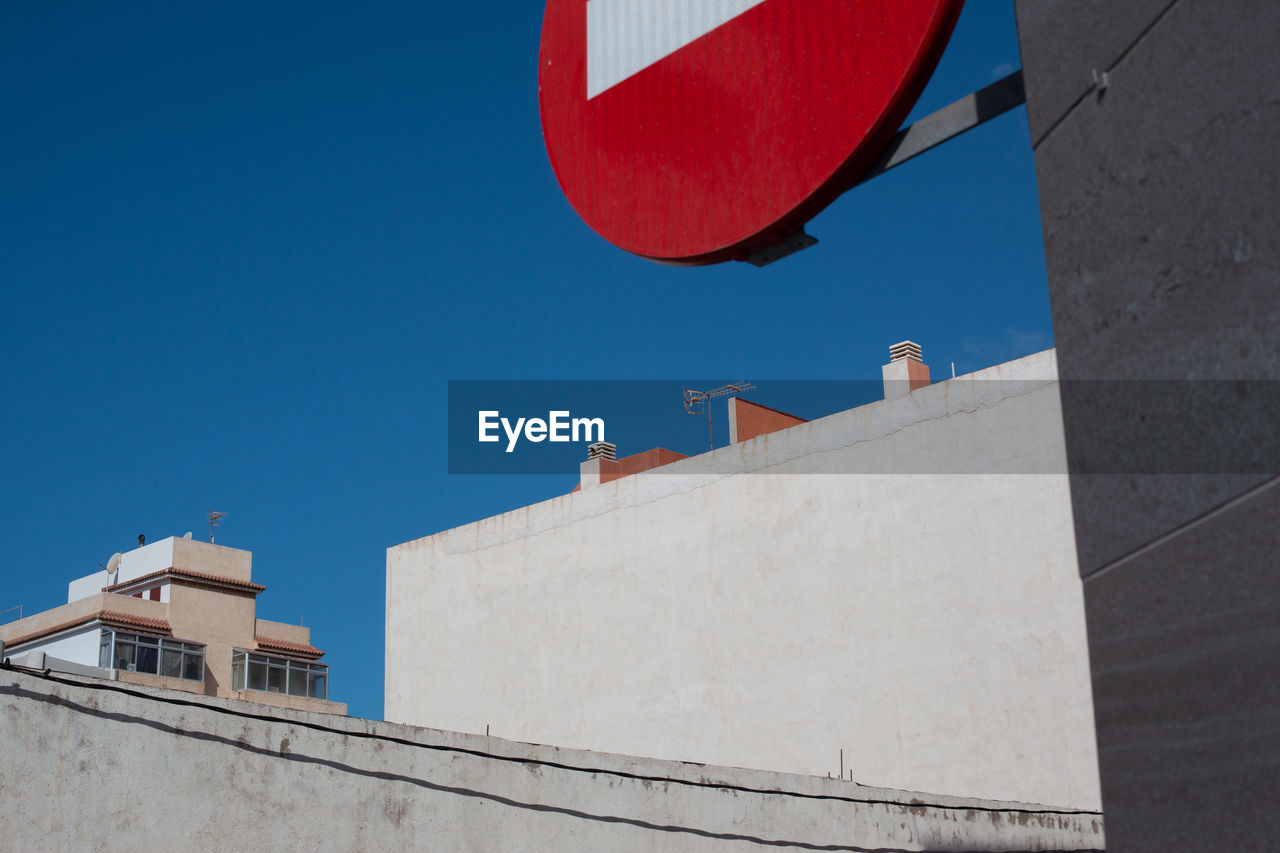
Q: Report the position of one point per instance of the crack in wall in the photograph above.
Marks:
(1095, 87)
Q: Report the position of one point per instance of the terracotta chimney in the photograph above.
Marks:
(600, 465)
(905, 372)
(748, 420)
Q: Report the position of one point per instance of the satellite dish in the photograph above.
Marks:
(187, 535)
(113, 565)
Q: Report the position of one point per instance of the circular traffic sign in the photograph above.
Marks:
(698, 131)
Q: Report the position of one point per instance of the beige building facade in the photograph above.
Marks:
(179, 614)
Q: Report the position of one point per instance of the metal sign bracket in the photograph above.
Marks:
(910, 142)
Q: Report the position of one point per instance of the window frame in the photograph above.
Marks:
(188, 653)
(249, 666)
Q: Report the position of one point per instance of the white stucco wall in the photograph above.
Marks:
(78, 647)
(744, 608)
(133, 564)
(86, 586)
(155, 557)
(173, 552)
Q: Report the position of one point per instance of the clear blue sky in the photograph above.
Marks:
(243, 248)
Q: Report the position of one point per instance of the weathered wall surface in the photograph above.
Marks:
(750, 608)
(99, 769)
(1155, 125)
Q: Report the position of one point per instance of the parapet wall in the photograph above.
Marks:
(91, 764)
(896, 582)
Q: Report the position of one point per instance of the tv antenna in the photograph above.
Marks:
(215, 520)
(695, 402)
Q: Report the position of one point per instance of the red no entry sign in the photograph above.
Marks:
(696, 131)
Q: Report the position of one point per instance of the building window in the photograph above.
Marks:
(253, 671)
(152, 655)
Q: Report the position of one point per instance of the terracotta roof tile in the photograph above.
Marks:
(187, 575)
(136, 621)
(286, 646)
(100, 616)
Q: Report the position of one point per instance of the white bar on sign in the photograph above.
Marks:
(626, 36)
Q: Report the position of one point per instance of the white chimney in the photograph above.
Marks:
(602, 450)
(905, 371)
(601, 458)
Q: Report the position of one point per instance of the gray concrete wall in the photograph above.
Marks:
(91, 765)
(1155, 125)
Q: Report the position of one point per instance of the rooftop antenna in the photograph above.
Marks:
(695, 402)
(215, 520)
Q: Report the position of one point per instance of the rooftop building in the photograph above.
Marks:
(180, 614)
